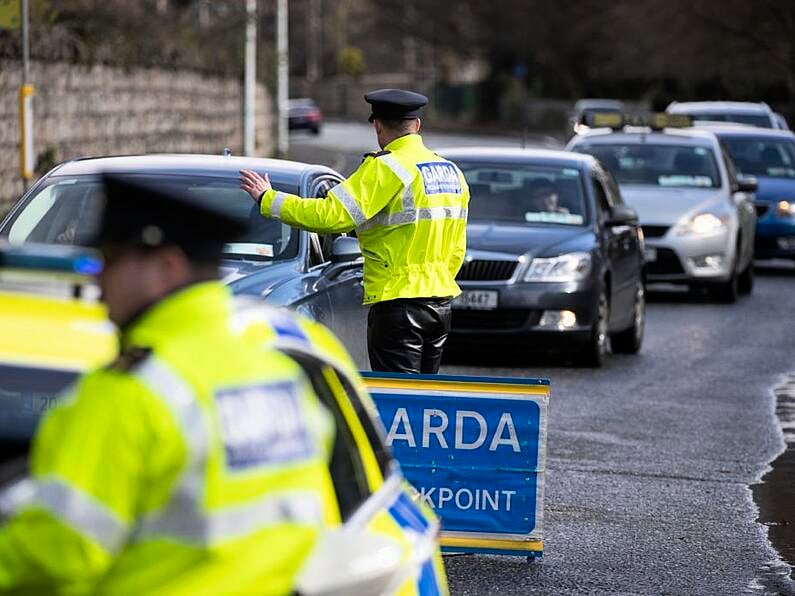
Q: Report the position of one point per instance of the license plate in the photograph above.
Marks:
(650, 253)
(477, 299)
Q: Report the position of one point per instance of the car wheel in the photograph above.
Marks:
(726, 292)
(745, 284)
(630, 340)
(316, 130)
(594, 352)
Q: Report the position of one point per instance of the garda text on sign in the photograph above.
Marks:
(474, 448)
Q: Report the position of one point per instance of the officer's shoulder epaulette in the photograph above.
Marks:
(375, 154)
(129, 358)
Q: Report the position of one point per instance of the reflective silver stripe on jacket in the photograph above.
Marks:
(409, 212)
(81, 511)
(180, 399)
(184, 517)
(350, 204)
(405, 177)
(455, 212)
(193, 526)
(276, 205)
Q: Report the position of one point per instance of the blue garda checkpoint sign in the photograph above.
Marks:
(475, 450)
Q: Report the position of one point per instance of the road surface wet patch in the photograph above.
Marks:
(775, 495)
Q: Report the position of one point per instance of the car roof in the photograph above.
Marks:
(588, 104)
(667, 136)
(551, 157)
(281, 171)
(722, 129)
(746, 107)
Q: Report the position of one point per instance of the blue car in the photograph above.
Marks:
(769, 156)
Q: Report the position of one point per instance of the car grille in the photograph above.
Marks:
(667, 263)
(482, 270)
(761, 209)
(654, 231)
(765, 243)
(504, 318)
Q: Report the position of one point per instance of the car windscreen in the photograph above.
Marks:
(761, 156)
(524, 194)
(67, 209)
(760, 120)
(677, 166)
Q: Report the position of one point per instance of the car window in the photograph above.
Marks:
(524, 194)
(675, 166)
(760, 120)
(346, 466)
(372, 429)
(760, 156)
(601, 195)
(316, 254)
(613, 192)
(319, 189)
(731, 171)
(66, 210)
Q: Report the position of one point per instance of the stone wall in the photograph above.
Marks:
(100, 110)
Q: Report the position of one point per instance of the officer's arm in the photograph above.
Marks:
(86, 467)
(346, 206)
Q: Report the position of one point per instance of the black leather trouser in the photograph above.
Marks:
(408, 334)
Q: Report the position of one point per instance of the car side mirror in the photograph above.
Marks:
(621, 215)
(345, 250)
(747, 184)
(356, 564)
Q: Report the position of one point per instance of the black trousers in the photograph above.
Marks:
(407, 335)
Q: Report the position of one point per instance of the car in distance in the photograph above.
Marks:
(554, 256)
(303, 114)
(584, 107)
(697, 216)
(741, 112)
(769, 156)
(317, 275)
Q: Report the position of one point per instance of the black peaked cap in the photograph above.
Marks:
(395, 104)
(139, 214)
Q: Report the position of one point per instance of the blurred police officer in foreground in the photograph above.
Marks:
(408, 207)
(194, 464)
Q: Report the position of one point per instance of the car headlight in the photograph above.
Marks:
(572, 266)
(703, 224)
(785, 208)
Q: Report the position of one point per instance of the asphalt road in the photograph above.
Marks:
(340, 145)
(651, 458)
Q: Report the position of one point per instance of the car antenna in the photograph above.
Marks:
(227, 152)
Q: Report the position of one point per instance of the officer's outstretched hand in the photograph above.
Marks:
(254, 184)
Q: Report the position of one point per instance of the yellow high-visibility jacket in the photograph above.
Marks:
(196, 464)
(409, 209)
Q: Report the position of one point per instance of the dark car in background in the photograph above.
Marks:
(303, 114)
(769, 156)
(554, 256)
(319, 276)
(584, 108)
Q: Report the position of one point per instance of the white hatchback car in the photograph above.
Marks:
(697, 215)
(741, 112)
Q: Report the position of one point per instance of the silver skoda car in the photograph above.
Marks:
(697, 216)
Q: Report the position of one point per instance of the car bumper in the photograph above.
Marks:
(775, 240)
(520, 311)
(303, 123)
(688, 259)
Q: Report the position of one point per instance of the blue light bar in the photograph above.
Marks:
(50, 258)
